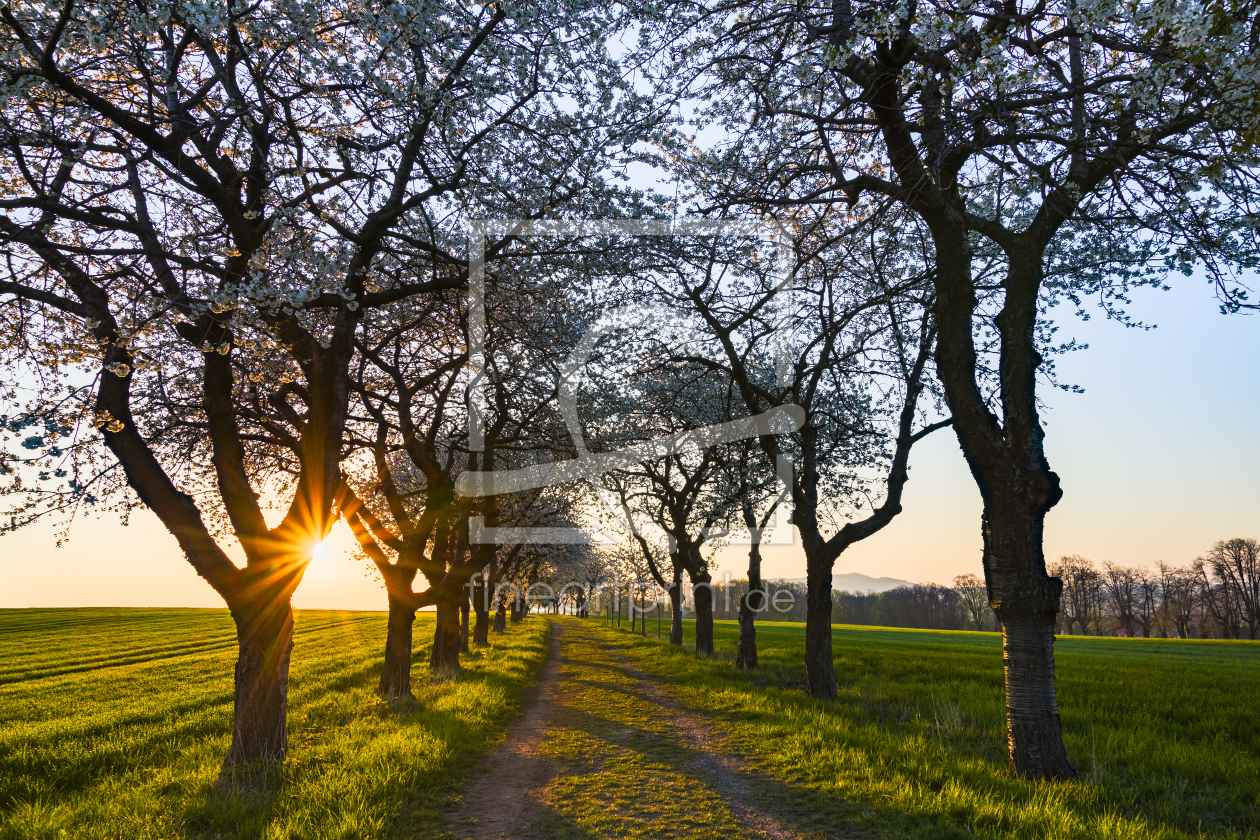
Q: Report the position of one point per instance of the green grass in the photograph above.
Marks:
(114, 724)
(1165, 733)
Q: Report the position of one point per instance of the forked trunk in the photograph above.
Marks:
(396, 674)
(446, 635)
(1007, 459)
(264, 642)
(1026, 602)
(702, 595)
(820, 669)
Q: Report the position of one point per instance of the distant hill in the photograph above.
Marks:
(856, 582)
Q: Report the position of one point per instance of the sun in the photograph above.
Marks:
(321, 550)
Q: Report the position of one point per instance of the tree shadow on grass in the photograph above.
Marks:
(951, 776)
(239, 803)
(354, 763)
(808, 813)
(552, 825)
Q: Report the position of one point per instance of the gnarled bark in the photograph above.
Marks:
(746, 651)
(446, 635)
(1026, 602)
(675, 608)
(259, 724)
(702, 597)
(1018, 488)
(820, 669)
(395, 680)
(1034, 736)
(481, 627)
(752, 601)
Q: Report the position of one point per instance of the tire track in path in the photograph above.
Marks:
(601, 750)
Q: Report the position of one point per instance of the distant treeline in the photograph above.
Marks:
(1215, 597)
(923, 605)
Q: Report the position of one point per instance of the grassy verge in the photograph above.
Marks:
(1165, 732)
(113, 723)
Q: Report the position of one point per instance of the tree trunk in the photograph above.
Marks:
(259, 715)
(446, 635)
(500, 619)
(1033, 734)
(820, 669)
(702, 595)
(746, 653)
(1007, 460)
(463, 623)
(396, 674)
(481, 627)
(675, 609)
(464, 608)
(1026, 602)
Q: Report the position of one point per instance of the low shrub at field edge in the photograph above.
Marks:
(114, 723)
(1165, 733)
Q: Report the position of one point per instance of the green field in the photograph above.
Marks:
(1165, 733)
(114, 723)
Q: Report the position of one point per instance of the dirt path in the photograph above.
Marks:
(600, 751)
(507, 794)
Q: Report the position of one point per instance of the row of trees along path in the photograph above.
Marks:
(1043, 150)
(208, 215)
(239, 261)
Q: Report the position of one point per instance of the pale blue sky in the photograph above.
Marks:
(1159, 458)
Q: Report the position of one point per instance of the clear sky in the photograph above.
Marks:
(1159, 458)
